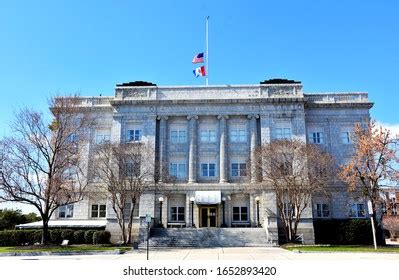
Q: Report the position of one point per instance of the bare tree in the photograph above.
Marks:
(41, 163)
(125, 171)
(295, 171)
(374, 163)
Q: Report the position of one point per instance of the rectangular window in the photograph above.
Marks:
(177, 214)
(238, 169)
(357, 210)
(65, 211)
(208, 169)
(102, 138)
(134, 135)
(127, 209)
(178, 134)
(316, 137)
(345, 137)
(178, 170)
(282, 133)
(322, 210)
(208, 136)
(133, 168)
(72, 138)
(98, 210)
(240, 214)
(238, 133)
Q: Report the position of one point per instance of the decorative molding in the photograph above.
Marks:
(195, 117)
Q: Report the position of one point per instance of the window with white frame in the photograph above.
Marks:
(208, 167)
(178, 169)
(208, 135)
(177, 214)
(240, 214)
(128, 208)
(238, 167)
(345, 137)
(72, 138)
(70, 173)
(178, 133)
(134, 134)
(102, 137)
(98, 210)
(133, 168)
(322, 210)
(281, 133)
(316, 137)
(357, 210)
(65, 211)
(238, 132)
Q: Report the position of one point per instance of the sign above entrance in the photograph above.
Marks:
(208, 197)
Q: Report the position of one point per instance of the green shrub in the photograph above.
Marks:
(67, 234)
(89, 236)
(32, 236)
(55, 236)
(101, 237)
(79, 237)
(345, 232)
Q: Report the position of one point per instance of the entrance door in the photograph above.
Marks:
(208, 217)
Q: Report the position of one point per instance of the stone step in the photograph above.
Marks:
(207, 237)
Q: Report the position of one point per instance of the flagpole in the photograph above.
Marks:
(207, 53)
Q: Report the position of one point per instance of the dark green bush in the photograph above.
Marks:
(67, 234)
(79, 237)
(101, 237)
(89, 236)
(345, 232)
(55, 236)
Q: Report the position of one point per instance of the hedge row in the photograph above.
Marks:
(345, 232)
(30, 237)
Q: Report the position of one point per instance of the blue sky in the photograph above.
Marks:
(59, 47)
(50, 47)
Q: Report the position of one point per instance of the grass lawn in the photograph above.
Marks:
(51, 248)
(342, 248)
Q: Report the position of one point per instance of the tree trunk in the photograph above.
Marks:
(45, 232)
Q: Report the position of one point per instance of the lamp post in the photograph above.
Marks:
(192, 199)
(257, 199)
(160, 199)
(224, 217)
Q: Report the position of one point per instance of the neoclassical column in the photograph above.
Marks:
(223, 148)
(253, 133)
(163, 140)
(192, 152)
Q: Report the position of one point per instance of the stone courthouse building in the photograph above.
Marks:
(205, 135)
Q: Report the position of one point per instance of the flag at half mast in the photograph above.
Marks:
(200, 71)
(199, 58)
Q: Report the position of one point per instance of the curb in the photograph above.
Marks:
(65, 253)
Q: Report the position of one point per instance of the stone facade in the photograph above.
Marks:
(204, 136)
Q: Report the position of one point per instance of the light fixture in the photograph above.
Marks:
(257, 199)
(160, 199)
(192, 199)
(223, 198)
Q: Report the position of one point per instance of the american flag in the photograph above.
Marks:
(199, 58)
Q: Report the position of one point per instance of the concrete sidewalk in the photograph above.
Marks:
(245, 253)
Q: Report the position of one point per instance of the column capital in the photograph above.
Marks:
(253, 116)
(162, 117)
(223, 117)
(190, 117)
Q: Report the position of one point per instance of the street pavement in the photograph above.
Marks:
(244, 253)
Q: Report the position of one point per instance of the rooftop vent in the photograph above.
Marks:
(137, 84)
(279, 81)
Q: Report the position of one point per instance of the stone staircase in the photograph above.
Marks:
(207, 237)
